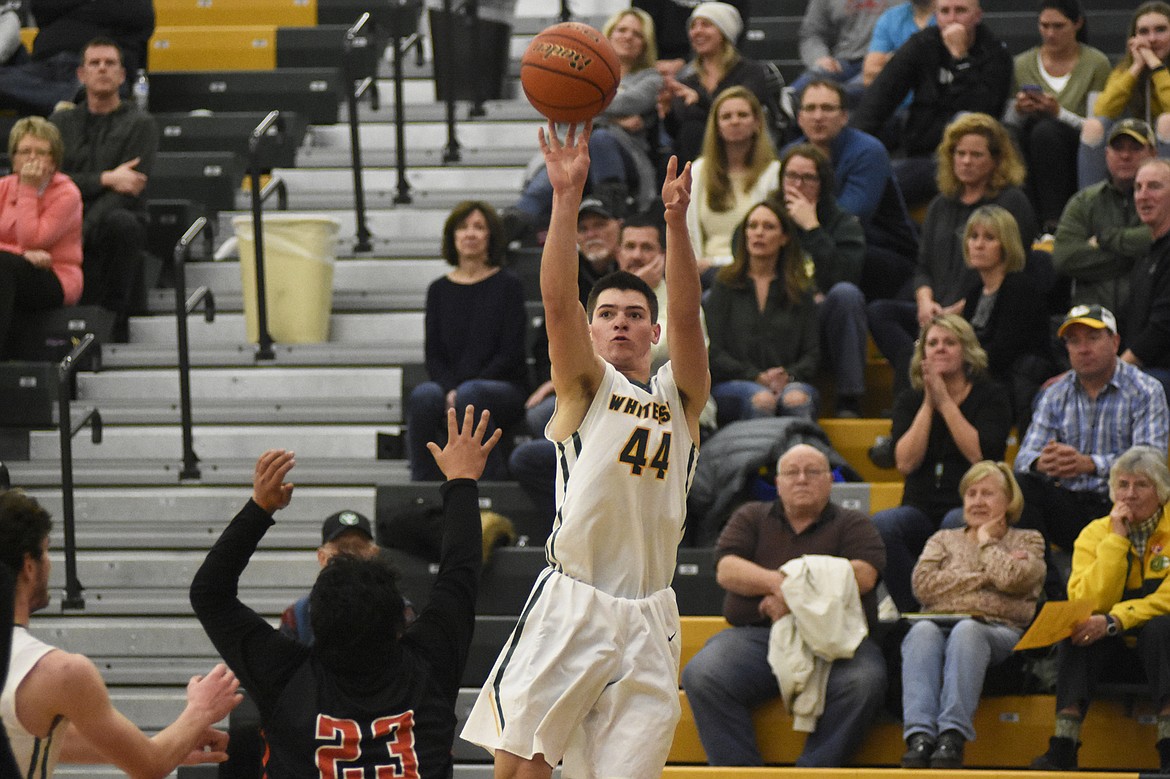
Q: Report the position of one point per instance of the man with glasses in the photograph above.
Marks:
(732, 674)
(1082, 422)
(864, 185)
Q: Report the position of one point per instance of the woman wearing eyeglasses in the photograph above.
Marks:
(834, 249)
(40, 227)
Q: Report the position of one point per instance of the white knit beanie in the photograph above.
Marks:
(725, 17)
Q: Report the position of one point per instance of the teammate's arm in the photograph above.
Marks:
(576, 370)
(71, 685)
(688, 348)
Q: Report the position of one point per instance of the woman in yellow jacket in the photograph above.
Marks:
(1121, 566)
(1138, 87)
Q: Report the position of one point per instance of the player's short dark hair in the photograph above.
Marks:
(644, 220)
(24, 526)
(355, 609)
(622, 280)
(103, 40)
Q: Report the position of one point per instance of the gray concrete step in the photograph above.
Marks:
(388, 333)
(165, 469)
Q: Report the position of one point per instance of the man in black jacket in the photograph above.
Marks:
(957, 66)
(1146, 325)
(370, 697)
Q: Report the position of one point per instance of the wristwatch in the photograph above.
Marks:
(1112, 626)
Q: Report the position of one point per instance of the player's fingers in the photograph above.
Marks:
(481, 428)
(434, 449)
(490, 444)
(452, 423)
(469, 428)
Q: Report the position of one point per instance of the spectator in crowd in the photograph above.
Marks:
(346, 532)
(1119, 565)
(686, 100)
(762, 323)
(986, 568)
(952, 416)
(621, 169)
(598, 239)
(672, 21)
(1055, 82)
(758, 561)
(864, 185)
(370, 694)
(833, 240)
(40, 227)
(110, 148)
(1099, 237)
(834, 37)
(957, 66)
(1002, 308)
(893, 28)
(977, 165)
(54, 704)
(1081, 424)
(1146, 325)
(737, 169)
(1137, 87)
(475, 324)
(63, 29)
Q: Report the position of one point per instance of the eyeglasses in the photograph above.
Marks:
(824, 108)
(32, 153)
(808, 473)
(801, 178)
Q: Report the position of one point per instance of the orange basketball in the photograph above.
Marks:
(570, 72)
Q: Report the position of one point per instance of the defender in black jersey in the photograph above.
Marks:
(369, 696)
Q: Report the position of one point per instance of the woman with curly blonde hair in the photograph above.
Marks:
(977, 166)
(952, 416)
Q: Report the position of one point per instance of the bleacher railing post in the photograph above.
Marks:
(66, 370)
(183, 308)
(451, 151)
(351, 44)
(264, 349)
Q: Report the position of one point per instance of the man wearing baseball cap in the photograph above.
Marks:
(1099, 238)
(346, 532)
(1083, 421)
(1146, 322)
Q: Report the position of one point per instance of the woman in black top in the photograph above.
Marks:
(952, 416)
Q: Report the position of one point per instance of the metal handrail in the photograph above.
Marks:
(183, 308)
(355, 41)
(271, 122)
(66, 370)
(451, 152)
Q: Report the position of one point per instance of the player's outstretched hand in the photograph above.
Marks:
(567, 162)
(676, 190)
(466, 452)
(213, 696)
(269, 489)
(211, 748)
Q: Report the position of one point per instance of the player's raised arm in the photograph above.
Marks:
(688, 350)
(576, 369)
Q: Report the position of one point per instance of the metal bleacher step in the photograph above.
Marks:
(430, 187)
(166, 469)
(507, 142)
(243, 395)
(388, 284)
(396, 336)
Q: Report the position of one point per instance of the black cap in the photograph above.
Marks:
(1094, 316)
(342, 521)
(592, 205)
(1133, 128)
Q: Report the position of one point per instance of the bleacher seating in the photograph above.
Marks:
(142, 532)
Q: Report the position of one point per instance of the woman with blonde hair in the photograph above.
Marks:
(686, 100)
(989, 570)
(737, 169)
(40, 226)
(762, 324)
(953, 415)
(977, 165)
(1001, 306)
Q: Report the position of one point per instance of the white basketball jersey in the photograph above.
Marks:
(36, 757)
(622, 482)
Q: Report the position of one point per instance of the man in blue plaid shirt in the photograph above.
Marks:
(1083, 421)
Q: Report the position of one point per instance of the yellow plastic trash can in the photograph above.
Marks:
(299, 250)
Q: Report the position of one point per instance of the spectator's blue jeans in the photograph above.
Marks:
(426, 420)
(894, 327)
(730, 676)
(943, 670)
(605, 163)
(904, 530)
(533, 465)
(734, 400)
(843, 330)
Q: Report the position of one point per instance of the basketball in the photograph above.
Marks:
(570, 72)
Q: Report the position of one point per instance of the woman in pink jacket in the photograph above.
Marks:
(40, 226)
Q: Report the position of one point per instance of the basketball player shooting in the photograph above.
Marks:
(589, 675)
